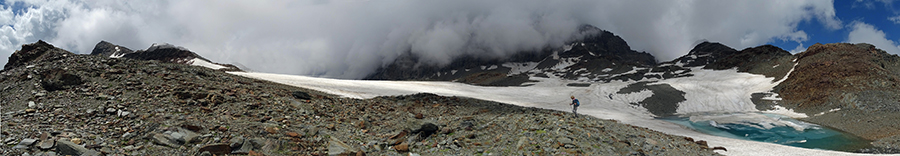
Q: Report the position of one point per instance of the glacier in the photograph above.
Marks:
(707, 91)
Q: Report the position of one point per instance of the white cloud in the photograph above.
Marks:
(895, 19)
(865, 33)
(798, 49)
(351, 38)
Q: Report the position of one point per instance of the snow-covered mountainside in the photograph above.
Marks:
(603, 100)
(834, 85)
(851, 87)
(56, 102)
(161, 52)
(599, 56)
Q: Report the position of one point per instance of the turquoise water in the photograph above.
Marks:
(786, 131)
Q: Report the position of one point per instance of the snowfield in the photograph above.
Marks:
(203, 63)
(729, 91)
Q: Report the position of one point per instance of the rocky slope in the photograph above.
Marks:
(598, 56)
(852, 87)
(160, 52)
(57, 102)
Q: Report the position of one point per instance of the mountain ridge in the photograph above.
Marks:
(862, 82)
(57, 102)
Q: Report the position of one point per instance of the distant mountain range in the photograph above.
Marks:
(599, 57)
(852, 87)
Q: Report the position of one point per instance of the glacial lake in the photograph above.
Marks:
(771, 128)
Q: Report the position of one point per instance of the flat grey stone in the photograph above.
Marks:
(46, 144)
(25, 143)
(68, 148)
(336, 147)
(162, 139)
(565, 141)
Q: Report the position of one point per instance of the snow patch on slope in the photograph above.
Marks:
(204, 63)
(786, 112)
(549, 93)
(718, 90)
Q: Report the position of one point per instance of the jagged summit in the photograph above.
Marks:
(767, 60)
(703, 54)
(166, 53)
(107, 49)
(39, 51)
(161, 52)
(598, 56)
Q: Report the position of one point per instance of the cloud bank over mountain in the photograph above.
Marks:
(866, 33)
(349, 39)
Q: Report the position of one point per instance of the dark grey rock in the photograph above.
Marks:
(59, 79)
(426, 130)
(565, 140)
(9, 140)
(216, 149)
(301, 95)
(184, 136)
(162, 139)
(663, 102)
(25, 143)
(245, 147)
(236, 142)
(336, 147)
(46, 144)
(68, 148)
(48, 153)
(106, 49)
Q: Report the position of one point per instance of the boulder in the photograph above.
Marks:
(426, 130)
(565, 141)
(46, 144)
(336, 147)
(69, 148)
(301, 95)
(719, 148)
(25, 143)
(403, 147)
(59, 79)
(162, 139)
(216, 149)
(243, 148)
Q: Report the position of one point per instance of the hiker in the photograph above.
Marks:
(575, 103)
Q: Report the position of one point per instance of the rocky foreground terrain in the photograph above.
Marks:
(55, 102)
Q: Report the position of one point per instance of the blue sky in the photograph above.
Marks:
(351, 38)
(875, 13)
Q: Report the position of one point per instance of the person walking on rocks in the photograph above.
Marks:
(575, 103)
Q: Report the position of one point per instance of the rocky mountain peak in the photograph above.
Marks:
(123, 106)
(107, 49)
(602, 43)
(767, 60)
(166, 53)
(39, 51)
(163, 52)
(856, 81)
(597, 56)
(704, 53)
